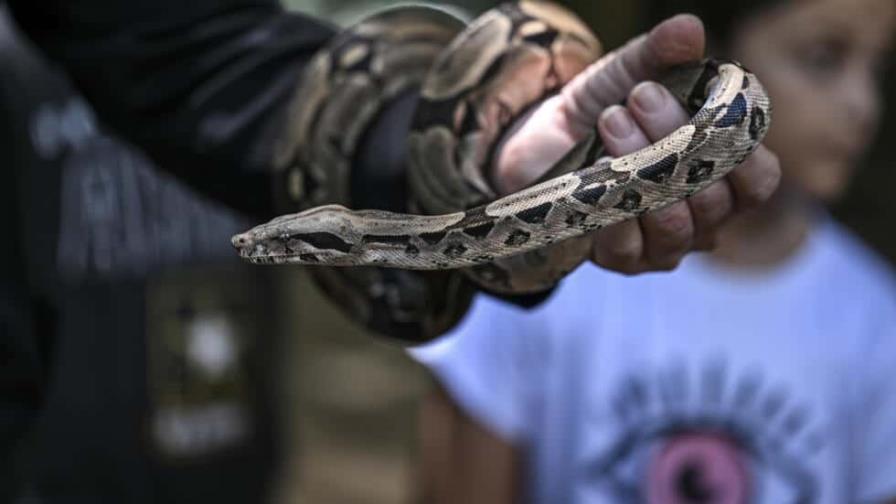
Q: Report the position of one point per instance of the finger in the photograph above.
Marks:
(656, 111)
(710, 208)
(518, 164)
(620, 133)
(619, 247)
(756, 179)
(677, 40)
(668, 234)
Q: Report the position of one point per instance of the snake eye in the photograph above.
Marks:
(241, 241)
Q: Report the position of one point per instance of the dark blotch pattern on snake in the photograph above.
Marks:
(470, 226)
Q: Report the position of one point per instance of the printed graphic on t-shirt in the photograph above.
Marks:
(687, 436)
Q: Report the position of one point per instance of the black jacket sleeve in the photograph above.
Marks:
(201, 85)
(198, 83)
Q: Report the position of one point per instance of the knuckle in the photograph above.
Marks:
(763, 189)
(770, 157)
(617, 121)
(621, 250)
(674, 225)
(710, 206)
(622, 256)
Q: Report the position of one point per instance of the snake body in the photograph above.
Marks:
(472, 94)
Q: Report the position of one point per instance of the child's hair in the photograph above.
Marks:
(721, 17)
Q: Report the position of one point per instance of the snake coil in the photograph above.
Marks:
(488, 76)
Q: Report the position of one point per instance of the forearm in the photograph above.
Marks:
(461, 461)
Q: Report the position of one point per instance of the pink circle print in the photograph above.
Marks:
(698, 469)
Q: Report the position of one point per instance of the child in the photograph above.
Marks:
(758, 373)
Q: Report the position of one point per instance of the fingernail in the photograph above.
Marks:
(649, 97)
(617, 122)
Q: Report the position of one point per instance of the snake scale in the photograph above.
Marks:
(495, 70)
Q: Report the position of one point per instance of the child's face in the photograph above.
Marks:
(821, 62)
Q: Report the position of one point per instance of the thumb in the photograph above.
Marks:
(677, 40)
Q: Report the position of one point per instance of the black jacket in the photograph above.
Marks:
(198, 85)
(134, 347)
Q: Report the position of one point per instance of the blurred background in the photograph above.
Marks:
(328, 410)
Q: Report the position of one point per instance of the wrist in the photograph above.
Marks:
(379, 171)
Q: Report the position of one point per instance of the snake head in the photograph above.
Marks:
(242, 241)
(294, 240)
(245, 244)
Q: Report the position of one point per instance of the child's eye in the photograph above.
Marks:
(823, 59)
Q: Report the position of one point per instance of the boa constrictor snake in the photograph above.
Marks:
(491, 73)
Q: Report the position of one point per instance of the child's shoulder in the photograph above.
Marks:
(854, 263)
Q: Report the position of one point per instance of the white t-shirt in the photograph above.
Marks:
(701, 385)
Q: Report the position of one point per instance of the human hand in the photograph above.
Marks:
(657, 240)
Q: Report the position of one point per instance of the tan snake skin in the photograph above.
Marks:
(502, 64)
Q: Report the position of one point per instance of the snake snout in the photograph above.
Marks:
(242, 241)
